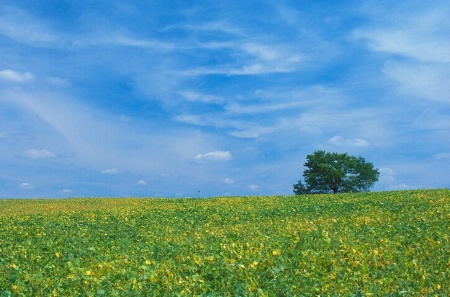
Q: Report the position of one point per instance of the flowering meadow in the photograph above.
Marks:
(364, 244)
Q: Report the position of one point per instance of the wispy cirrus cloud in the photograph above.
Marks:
(199, 97)
(404, 186)
(235, 128)
(38, 154)
(110, 171)
(416, 40)
(418, 33)
(341, 141)
(15, 76)
(57, 81)
(214, 156)
(254, 59)
(121, 39)
(23, 27)
(245, 116)
(218, 25)
(425, 80)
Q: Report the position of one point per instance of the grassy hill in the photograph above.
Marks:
(365, 244)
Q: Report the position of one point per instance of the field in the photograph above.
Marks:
(365, 244)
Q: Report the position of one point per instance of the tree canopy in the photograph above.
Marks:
(336, 173)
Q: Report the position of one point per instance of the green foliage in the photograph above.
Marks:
(336, 173)
(361, 244)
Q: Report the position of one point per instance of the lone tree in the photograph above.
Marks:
(336, 173)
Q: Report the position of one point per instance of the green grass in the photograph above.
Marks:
(365, 244)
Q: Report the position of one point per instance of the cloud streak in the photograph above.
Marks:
(339, 141)
(425, 43)
(258, 59)
(26, 186)
(214, 156)
(23, 27)
(38, 154)
(14, 76)
(110, 171)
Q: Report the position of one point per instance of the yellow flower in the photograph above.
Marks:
(254, 264)
(276, 252)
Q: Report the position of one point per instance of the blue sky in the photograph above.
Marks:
(207, 98)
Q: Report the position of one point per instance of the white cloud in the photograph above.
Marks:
(214, 156)
(110, 171)
(341, 141)
(142, 182)
(228, 181)
(315, 109)
(277, 56)
(57, 81)
(386, 171)
(188, 119)
(37, 154)
(404, 43)
(26, 186)
(263, 108)
(403, 186)
(122, 40)
(239, 129)
(251, 131)
(270, 58)
(427, 80)
(65, 191)
(219, 25)
(256, 68)
(253, 187)
(14, 76)
(387, 175)
(255, 59)
(195, 96)
(420, 33)
(23, 27)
